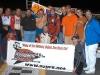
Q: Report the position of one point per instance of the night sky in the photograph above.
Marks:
(83, 4)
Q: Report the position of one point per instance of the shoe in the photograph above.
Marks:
(87, 68)
(89, 72)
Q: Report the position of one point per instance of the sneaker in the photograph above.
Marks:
(87, 68)
(89, 72)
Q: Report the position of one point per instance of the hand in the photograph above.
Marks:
(9, 39)
(5, 28)
(23, 16)
(83, 40)
(5, 62)
(74, 69)
(55, 38)
(63, 38)
(22, 34)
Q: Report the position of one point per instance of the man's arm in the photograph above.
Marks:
(75, 24)
(21, 28)
(63, 30)
(75, 30)
(96, 26)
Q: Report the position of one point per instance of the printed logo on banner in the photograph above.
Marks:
(25, 55)
(36, 7)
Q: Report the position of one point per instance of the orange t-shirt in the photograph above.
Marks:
(80, 27)
(69, 22)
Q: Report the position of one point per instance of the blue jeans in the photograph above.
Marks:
(29, 36)
(1, 58)
(60, 38)
(0, 38)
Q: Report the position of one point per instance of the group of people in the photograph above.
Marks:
(51, 28)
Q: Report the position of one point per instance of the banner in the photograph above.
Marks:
(35, 55)
(36, 7)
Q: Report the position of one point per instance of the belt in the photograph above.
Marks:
(29, 30)
(17, 29)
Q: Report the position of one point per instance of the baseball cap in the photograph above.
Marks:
(11, 31)
(75, 36)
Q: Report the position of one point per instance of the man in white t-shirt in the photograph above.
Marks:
(6, 22)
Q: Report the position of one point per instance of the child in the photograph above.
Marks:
(45, 37)
(78, 59)
(9, 36)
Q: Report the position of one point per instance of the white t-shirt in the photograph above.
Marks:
(45, 38)
(17, 22)
(6, 20)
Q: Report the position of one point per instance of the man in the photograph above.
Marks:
(45, 37)
(69, 23)
(78, 58)
(28, 27)
(54, 25)
(9, 36)
(81, 24)
(40, 22)
(80, 28)
(60, 37)
(6, 22)
(15, 23)
(1, 26)
(92, 37)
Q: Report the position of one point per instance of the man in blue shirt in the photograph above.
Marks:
(92, 37)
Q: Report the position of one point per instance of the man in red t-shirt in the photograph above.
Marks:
(15, 23)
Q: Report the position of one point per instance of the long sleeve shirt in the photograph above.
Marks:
(78, 55)
(4, 46)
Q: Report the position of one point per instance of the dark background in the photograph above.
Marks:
(93, 5)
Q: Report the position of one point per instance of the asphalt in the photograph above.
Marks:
(50, 72)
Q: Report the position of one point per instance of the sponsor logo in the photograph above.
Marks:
(25, 55)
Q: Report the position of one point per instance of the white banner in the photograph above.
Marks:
(36, 55)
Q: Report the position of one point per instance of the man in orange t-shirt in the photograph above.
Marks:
(69, 24)
(80, 25)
